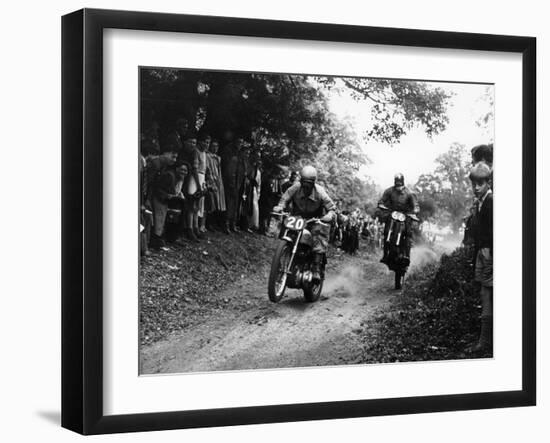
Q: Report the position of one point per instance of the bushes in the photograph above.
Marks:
(435, 318)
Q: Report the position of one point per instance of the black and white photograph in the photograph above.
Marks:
(296, 220)
(275, 221)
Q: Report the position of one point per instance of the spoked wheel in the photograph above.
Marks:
(277, 276)
(313, 292)
(399, 276)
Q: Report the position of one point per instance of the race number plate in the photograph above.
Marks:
(295, 223)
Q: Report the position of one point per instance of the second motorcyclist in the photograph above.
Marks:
(398, 198)
(310, 200)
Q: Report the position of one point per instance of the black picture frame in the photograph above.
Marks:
(82, 218)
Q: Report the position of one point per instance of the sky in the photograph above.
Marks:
(416, 153)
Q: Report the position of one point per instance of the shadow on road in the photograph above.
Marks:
(295, 302)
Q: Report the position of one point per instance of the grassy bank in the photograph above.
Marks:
(435, 318)
(182, 283)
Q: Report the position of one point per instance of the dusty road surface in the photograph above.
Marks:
(291, 333)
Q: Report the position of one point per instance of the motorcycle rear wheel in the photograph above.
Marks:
(277, 278)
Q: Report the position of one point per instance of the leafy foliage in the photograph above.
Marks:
(400, 105)
(446, 193)
(287, 118)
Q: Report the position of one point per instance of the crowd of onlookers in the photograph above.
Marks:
(351, 226)
(191, 183)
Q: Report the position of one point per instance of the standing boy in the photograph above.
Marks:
(482, 232)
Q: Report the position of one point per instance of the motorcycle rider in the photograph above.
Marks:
(311, 200)
(398, 198)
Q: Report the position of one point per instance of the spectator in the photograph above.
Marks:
(255, 180)
(270, 195)
(216, 188)
(243, 180)
(203, 144)
(233, 180)
(145, 215)
(177, 138)
(157, 191)
(482, 231)
(483, 153)
(293, 179)
(193, 186)
(175, 178)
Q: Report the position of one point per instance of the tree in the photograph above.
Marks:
(398, 106)
(448, 187)
(486, 119)
(287, 118)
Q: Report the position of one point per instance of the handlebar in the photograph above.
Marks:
(308, 220)
(281, 214)
(411, 215)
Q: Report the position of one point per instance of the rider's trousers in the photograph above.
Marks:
(320, 233)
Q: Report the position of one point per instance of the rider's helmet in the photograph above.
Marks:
(398, 179)
(480, 171)
(308, 174)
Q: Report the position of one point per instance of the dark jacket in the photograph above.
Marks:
(404, 201)
(165, 186)
(482, 223)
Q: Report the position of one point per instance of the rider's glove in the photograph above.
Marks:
(277, 209)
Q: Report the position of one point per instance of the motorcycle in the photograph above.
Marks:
(292, 263)
(396, 240)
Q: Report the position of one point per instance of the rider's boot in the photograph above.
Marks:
(316, 267)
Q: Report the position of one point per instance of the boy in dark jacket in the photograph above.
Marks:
(482, 231)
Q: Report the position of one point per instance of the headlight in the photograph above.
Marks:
(399, 216)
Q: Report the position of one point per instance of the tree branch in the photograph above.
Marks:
(366, 93)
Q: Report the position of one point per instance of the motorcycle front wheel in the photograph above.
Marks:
(312, 293)
(277, 277)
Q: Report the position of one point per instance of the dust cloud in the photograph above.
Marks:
(348, 280)
(421, 255)
(351, 279)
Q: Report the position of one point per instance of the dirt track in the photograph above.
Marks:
(291, 333)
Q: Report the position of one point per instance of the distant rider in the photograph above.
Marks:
(398, 198)
(310, 200)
